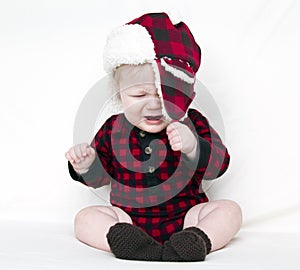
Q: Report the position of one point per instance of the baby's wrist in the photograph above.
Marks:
(81, 171)
(192, 153)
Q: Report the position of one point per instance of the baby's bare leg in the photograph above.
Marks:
(220, 220)
(93, 223)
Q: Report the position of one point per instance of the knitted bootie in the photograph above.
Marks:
(203, 235)
(188, 245)
(132, 243)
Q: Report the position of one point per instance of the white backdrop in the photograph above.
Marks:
(51, 55)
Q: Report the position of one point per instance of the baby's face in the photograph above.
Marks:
(141, 103)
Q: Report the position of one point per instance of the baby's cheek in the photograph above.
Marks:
(131, 118)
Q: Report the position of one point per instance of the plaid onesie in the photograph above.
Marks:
(153, 184)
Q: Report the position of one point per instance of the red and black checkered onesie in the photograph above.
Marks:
(153, 184)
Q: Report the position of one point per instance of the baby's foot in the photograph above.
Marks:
(132, 243)
(189, 245)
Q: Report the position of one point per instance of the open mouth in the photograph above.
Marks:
(154, 117)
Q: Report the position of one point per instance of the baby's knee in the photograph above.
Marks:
(81, 218)
(233, 209)
(82, 215)
(92, 212)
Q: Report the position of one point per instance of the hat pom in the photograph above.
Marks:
(174, 16)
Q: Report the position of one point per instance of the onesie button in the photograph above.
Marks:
(142, 133)
(148, 150)
(151, 169)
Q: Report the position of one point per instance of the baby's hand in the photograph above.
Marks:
(182, 139)
(81, 156)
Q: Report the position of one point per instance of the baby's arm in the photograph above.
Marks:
(81, 156)
(213, 154)
(214, 157)
(91, 164)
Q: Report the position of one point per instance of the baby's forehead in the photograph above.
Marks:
(136, 75)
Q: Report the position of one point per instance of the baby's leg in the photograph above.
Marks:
(207, 227)
(220, 220)
(93, 223)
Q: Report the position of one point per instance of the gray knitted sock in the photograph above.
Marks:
(132, 243)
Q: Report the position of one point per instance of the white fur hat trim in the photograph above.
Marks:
(128, 44)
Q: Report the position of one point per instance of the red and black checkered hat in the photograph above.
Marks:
(171, 49)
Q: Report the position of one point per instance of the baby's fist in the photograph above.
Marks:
(81, 156)
(182, 139)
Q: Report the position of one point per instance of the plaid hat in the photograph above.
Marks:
(170, 48)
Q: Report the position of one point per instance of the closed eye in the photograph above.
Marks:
(142, 95)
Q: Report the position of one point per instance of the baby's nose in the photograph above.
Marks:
(154, 102)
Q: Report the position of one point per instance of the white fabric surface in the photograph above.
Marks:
(273, 243)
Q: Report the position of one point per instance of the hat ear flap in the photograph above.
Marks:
(157, 74)
(176, 93)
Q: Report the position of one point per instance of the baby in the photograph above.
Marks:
(155, 154)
